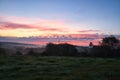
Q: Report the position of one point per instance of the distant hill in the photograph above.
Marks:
(13, 44)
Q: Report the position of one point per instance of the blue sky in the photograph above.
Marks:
(103, 15)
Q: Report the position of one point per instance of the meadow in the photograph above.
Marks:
(58, 68)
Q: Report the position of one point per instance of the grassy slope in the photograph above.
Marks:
(58, 68)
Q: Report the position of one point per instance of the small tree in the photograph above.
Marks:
(90, 44)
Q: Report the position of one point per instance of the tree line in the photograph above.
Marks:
(108, 47)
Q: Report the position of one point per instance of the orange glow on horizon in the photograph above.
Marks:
(28, 27)
(25, 27)
(79, 43)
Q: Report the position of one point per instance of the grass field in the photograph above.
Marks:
(58, 68)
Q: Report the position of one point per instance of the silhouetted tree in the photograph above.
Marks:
(109, 47)
(109, 41)
(90, 44)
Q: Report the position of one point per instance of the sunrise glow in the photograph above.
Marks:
(76, 22)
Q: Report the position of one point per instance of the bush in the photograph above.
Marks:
(60, 50)
(2, 51)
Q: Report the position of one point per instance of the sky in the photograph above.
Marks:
(51, 18)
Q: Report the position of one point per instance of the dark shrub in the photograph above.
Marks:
(101, 51)
(60, 50)
(18, 52)
(2, 51)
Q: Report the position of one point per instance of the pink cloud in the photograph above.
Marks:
(13, 22)
(14, 19)
(42, 27)
(9, 25)
(88, 31)
(84, 35)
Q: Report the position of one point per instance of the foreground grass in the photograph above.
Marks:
(58, 68)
